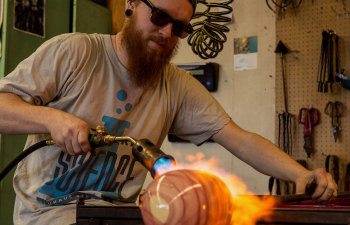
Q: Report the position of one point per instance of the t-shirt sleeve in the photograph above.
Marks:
(40, 78)
(199, 115)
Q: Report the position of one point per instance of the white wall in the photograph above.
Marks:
(247, 96)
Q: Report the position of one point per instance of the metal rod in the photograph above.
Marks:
(284, 87)
(291, 198)
(299, 197)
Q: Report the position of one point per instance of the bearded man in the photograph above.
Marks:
(125, 82)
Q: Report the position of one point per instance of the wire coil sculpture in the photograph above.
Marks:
(208, 38)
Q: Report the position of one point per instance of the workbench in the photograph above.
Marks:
(305, 212)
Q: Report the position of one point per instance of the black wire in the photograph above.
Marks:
(298, 4)
(267, 3)
(282, 6)
(21, 156)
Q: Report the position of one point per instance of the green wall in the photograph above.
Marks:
(16, 46)
(62, 16)
(20, 45)
(89, 17)
(11, 146)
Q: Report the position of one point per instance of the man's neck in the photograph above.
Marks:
(119, 50)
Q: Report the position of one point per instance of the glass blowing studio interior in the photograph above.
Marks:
(279, 68)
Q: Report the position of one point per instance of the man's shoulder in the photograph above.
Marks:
(177, 77)
(175, 72)
(79, 39)
(78, 44)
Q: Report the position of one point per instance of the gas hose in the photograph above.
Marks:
(147, 153)
(208, 39)
(21, 156)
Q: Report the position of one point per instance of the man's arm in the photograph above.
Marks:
(68, 131)
(265, 157)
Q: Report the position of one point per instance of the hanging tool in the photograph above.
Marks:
(326, 61)
(310, 120)
(333, 167)
(336, 14)
(330, 79)
(286, 116)
(322, 64)
(346, 13)
(303, 163)
(284, 8)
(336, 38)
(347, 178)
(334, 110)
(278, 187)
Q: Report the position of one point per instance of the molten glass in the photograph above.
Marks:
(187, 197)
(177, 197)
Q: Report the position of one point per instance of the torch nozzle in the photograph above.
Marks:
(147, 153)
(151, 157)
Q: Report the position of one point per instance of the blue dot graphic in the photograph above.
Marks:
(128, 107)
(122, 95)
(119, 111)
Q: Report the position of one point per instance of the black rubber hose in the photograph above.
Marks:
(21, 156)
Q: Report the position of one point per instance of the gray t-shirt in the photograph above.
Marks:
(82, 75)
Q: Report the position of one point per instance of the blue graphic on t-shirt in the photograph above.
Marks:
(97, 173)
(122, 96)
(128, 107)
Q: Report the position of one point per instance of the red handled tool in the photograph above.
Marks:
(309, 118)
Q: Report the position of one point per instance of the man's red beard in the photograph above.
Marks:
(145, 66)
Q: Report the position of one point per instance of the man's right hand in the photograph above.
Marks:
(70, 133)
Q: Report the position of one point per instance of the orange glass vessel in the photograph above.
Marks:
(187, 197)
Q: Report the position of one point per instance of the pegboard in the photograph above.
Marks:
(301, 30)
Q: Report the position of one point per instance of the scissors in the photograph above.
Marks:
(309, 119)
(334, 110)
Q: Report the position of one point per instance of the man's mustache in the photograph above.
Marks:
(160, 40)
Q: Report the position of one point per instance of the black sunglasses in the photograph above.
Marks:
(160, 18)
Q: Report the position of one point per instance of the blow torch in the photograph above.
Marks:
(143, 150)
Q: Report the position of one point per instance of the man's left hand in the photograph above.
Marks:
(326, 188)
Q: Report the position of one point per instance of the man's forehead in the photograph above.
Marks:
(194, 4)
(179, 10)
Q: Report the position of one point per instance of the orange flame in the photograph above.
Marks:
(248, 208)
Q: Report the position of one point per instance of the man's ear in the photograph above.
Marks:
(131, 4)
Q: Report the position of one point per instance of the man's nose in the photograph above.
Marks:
(166, 31)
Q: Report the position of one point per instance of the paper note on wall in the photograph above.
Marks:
(245, 53)
(245, 62)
